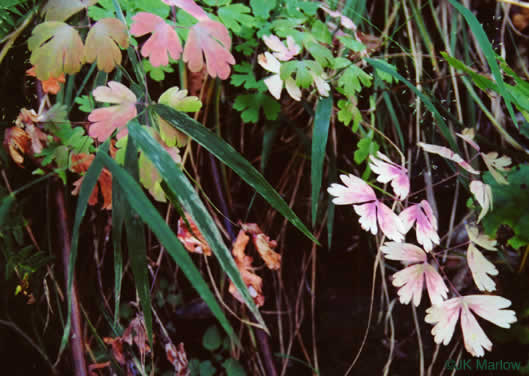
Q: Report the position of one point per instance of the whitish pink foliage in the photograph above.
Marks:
(370, 210)
(483, 194)
(411, 279)
(468, 136)
(483, 240)
(163, 41)
(496, 164)
(425, 224)
(274, 83)
(489, 307)
(282, 52)
(448, 154)
(388, 171)
(190, 7)
(345, 21)
(210, 40)
(106, 120)
(480, 268)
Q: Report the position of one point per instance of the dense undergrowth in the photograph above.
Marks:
(264, 187)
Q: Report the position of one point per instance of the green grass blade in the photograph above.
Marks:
(489, 53)
(89, 182)
(148, 213)
(445, 131)
(187, 196)
(136, 242)
(118, 217)
(229, 156)
(322, 120)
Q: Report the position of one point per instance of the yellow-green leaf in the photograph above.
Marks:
(60, 10)
(102, 43)
(56, 48)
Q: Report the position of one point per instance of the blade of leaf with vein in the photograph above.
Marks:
(333, 176)
(230, 157)
(5, 206)
(89, 182)
(427, 102)
(148, 213)
(489, 53)
(190, 200)
(322, 119)
(136, 242)
(118, 217)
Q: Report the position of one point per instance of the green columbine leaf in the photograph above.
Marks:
(321, 32)
(86, 103)
(353, 79)
(352, 43)
(156, 73)
(245, 77)
(365, 147)
(250, 106)
(347, 112)
(303, 69)
(233, 16)
(262, 8)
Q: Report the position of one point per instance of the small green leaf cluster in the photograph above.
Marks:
(219, 348)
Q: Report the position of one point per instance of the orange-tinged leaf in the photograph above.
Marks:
(264, 245)
(60, 10)
(56, 48)
(178, 358)
(244, 264)
(17, 142)
(211, 41)
(191, 237)
(51, 85)
(164, 40)
(102, 43)
(106, 120)
(80, 164)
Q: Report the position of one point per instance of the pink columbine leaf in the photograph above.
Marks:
(495, 165)
(480, 268)
(356, 191)
(445, 315)
(483, 194)
(106, 120)
(190, 7)
(425, 224)
(448, 154)
(282, 52)
(389, 222)
(102, 43)
(345, 21)
(405, 252)
(163, 42)
(388, 171)
(411, 282)
(210, 40)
